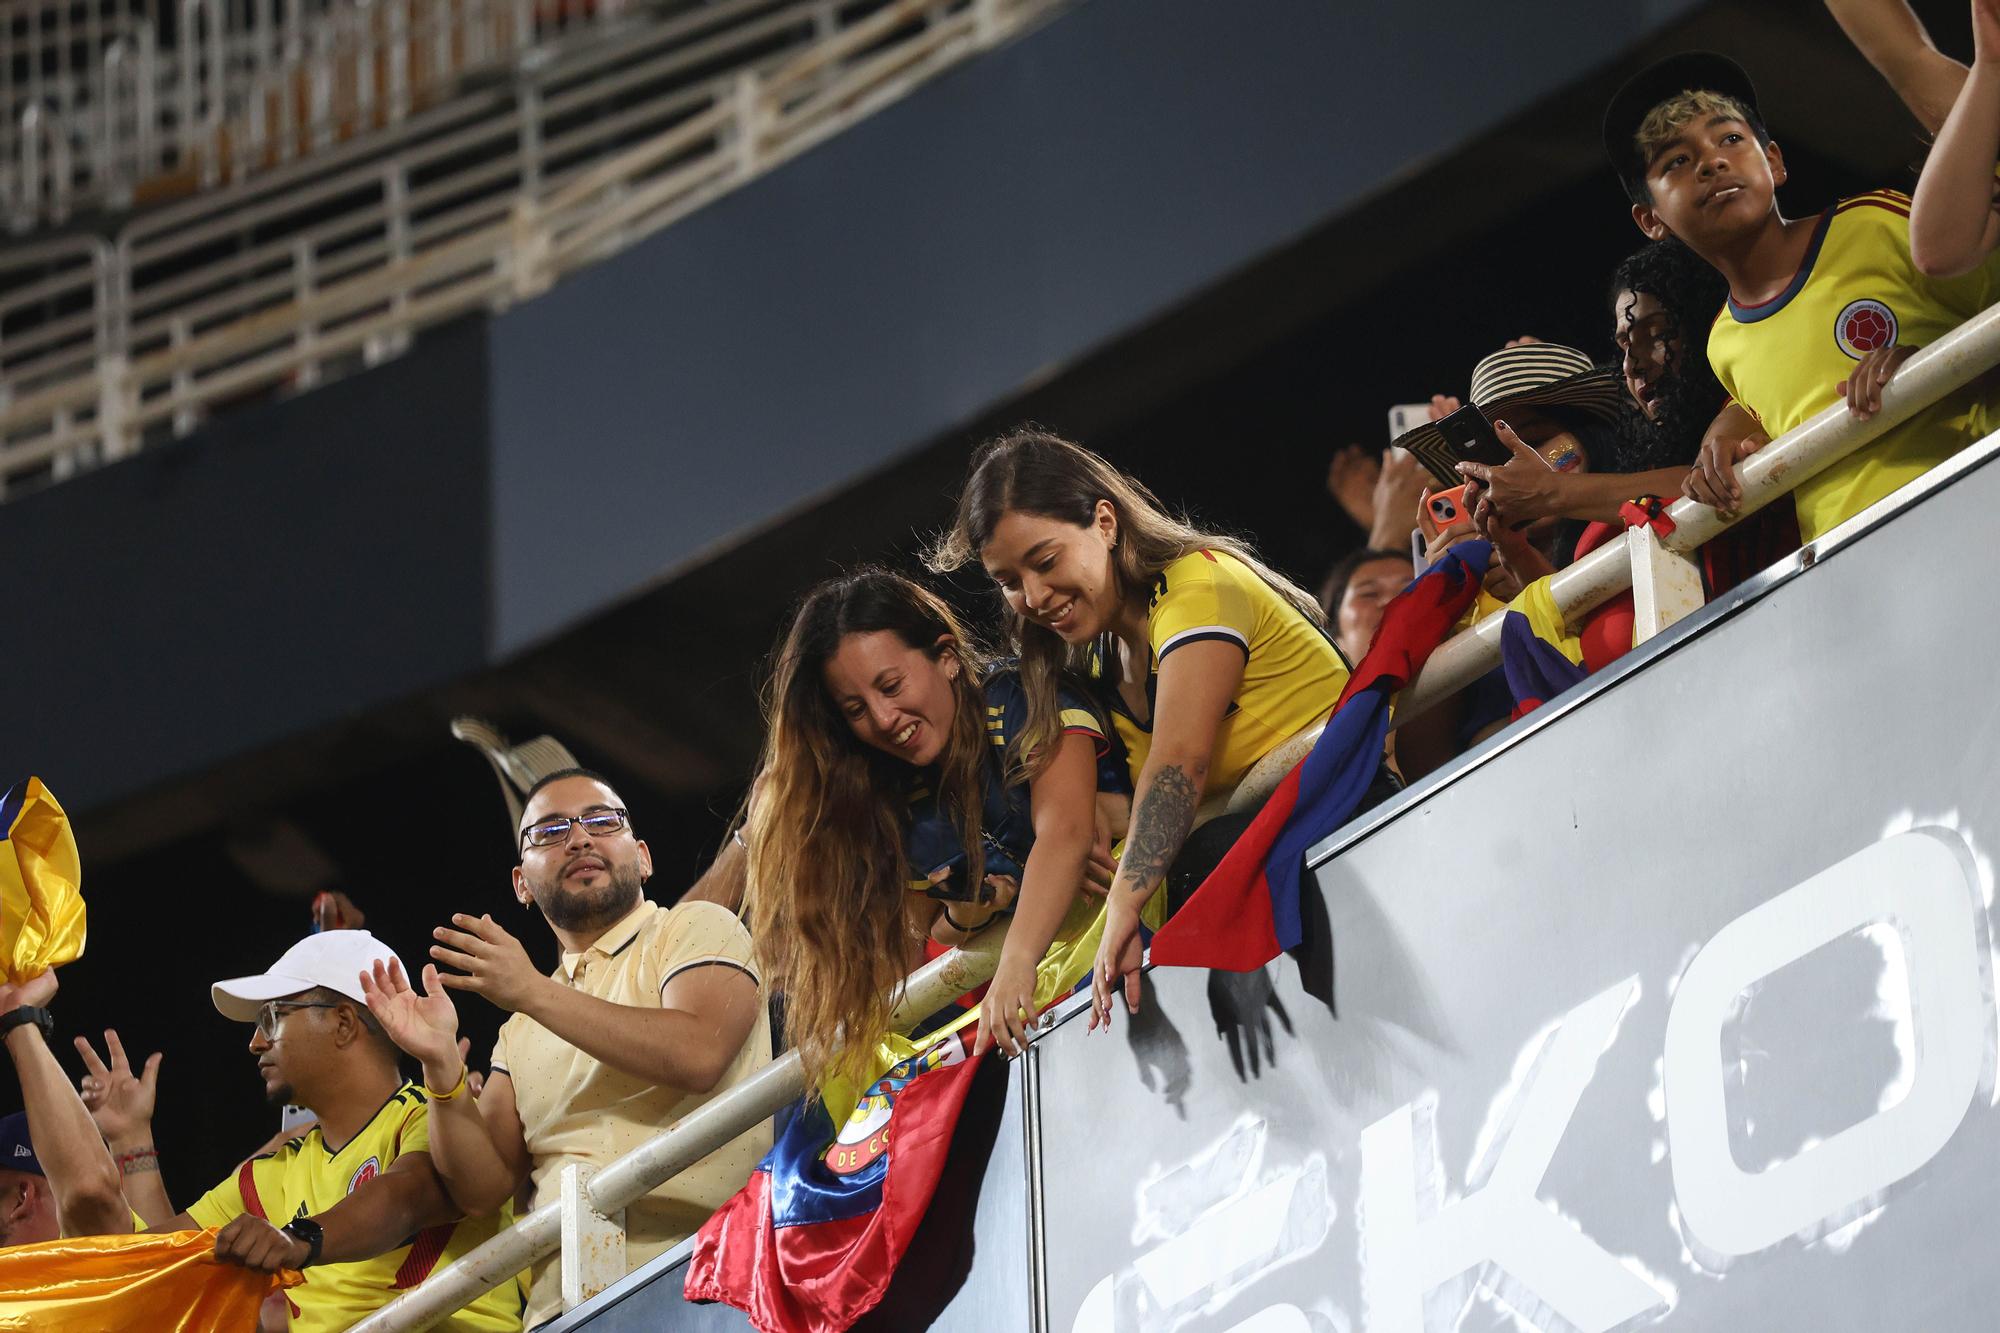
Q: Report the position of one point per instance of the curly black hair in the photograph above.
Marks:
(1689, 394)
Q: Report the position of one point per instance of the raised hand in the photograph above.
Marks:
(1399, 491)
(35, 993)
(493, 961)
(120, 1101)
(1986, 31)
(334, 910)
(1351, 480)
(424, 1024)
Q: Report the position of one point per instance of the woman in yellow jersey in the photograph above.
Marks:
(1208, 659)
(899, 800)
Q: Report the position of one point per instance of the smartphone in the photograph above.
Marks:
(1466, 436)
(1406, 417)
(1448, 507)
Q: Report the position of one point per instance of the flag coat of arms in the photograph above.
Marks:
(812, 1242)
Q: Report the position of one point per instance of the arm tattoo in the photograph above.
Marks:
(1161, 825)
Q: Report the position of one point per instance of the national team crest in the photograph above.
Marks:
(364, 1173)
(865, 1136)
(1864, 326)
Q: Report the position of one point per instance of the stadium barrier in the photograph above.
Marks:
(1666, 587)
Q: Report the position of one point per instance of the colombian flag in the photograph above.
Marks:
(1539, 654)
(1248, 910)
(811, 1243)
(165, 1283)
(41, 908)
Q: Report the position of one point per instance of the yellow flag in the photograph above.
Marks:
(166, 1283)
(41, 903)
(1538, 605)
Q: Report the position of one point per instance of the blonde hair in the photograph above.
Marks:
(1032, 471)
(1665, 121)
(828, 880)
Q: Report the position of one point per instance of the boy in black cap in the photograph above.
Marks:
(1820, 309)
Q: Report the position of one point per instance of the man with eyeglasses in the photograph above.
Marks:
(356, 1202)
(650, 1012)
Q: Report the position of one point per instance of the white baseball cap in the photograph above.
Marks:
(334, 959)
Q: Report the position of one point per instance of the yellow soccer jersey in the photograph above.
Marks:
(1291, 677)
(1857, 290)
(304, 1178)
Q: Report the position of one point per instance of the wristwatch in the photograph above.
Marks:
(26, 1014)
(309, 1231)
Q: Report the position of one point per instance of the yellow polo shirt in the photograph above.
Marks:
(575, 1108)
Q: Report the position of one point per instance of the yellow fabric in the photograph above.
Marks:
(1291, 674)
(1538, 605)
(1781, 360)
(574, 1108)
(166, 1283)
(303, 1178)
(41, 905)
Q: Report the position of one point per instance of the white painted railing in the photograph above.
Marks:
(105, 100)
(334, 262)
(1661, 572)
(1657, 569)
(590, 1200)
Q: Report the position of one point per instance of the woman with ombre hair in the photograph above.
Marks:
(1207, 659)
(900, 798)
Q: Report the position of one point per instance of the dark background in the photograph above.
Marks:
(1229, 403)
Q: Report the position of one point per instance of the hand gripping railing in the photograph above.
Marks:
(659, 1160)
(1663, 579)
(1658, 570)
(1665, 582)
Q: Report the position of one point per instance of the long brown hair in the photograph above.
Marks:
(828, 879)
(1033, 471)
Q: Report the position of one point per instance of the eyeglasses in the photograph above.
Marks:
(598, 824)
(274, 1013)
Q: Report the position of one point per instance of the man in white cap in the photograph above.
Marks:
(355, 1202)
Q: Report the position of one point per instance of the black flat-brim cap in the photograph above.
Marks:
(1655, 84)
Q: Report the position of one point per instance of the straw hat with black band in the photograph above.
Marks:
(1533, 375)
(1659, 81)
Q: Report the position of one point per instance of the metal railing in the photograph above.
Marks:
(333, 263)
(1658, 570)
(589, 1198)
(105, 101)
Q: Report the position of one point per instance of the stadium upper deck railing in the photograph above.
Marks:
(332, 264)
(105, 100)
(1666, 585)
